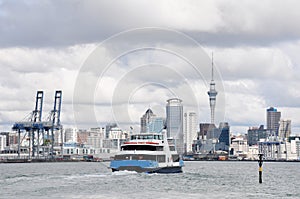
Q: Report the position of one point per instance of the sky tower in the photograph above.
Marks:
(212, 93)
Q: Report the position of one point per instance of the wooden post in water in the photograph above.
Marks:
(260, 163)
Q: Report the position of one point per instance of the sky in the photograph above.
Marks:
(115, 59)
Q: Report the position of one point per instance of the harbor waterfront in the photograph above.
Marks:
(200, 179)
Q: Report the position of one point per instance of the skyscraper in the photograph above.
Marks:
(174, 122)
(145, 120)
(224, 134)
(212, 93)
(273, 118)
(190, 130)
(156, 125)
(151, 123)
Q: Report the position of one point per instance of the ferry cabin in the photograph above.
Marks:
(147, 147)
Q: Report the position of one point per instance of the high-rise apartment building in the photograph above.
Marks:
(174, 122)
(190, 130)
(273, 118)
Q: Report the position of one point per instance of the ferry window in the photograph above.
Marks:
(160, 137)
(172, 148)
(139, 148)
(161, 158)
(159, 148)
(175, 158)
(156, 137)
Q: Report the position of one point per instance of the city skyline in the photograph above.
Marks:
(255, 60)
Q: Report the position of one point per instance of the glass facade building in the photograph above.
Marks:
(156, 125)
(174, 122)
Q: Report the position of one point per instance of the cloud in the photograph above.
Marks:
(64, 23)
(46, 44)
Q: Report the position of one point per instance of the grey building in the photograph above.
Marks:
(255, 134)
(284, 131)
(174, 122)
(145, 120)
(224, 134)
(204, 128)
(273, 118)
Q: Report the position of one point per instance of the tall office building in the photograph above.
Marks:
(212, 93)
(151, 123)
(224, 133)
(273, 118)
(156, 125)
(190, 130)
(284, 129)
(146, 119)
(174, 122)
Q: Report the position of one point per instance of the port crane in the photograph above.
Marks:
(33, 126)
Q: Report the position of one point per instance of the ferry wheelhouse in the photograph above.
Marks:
(148, 152)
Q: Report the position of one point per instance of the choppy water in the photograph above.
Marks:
(199, 180)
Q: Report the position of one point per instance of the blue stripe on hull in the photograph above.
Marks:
(142, 166)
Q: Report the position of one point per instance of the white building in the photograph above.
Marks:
(2, 142)
(70, 134)
(95, 138)
(71, 148)
(253, 152)
(190, 130)
(116, 133)
(298, 149)
(240, 147)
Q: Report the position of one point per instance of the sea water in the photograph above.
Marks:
(215, 179)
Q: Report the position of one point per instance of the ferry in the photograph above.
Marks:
(147, 153)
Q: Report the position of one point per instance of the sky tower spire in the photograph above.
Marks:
(212, 66)
(212, 93)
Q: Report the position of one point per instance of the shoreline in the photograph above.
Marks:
(59, 160)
